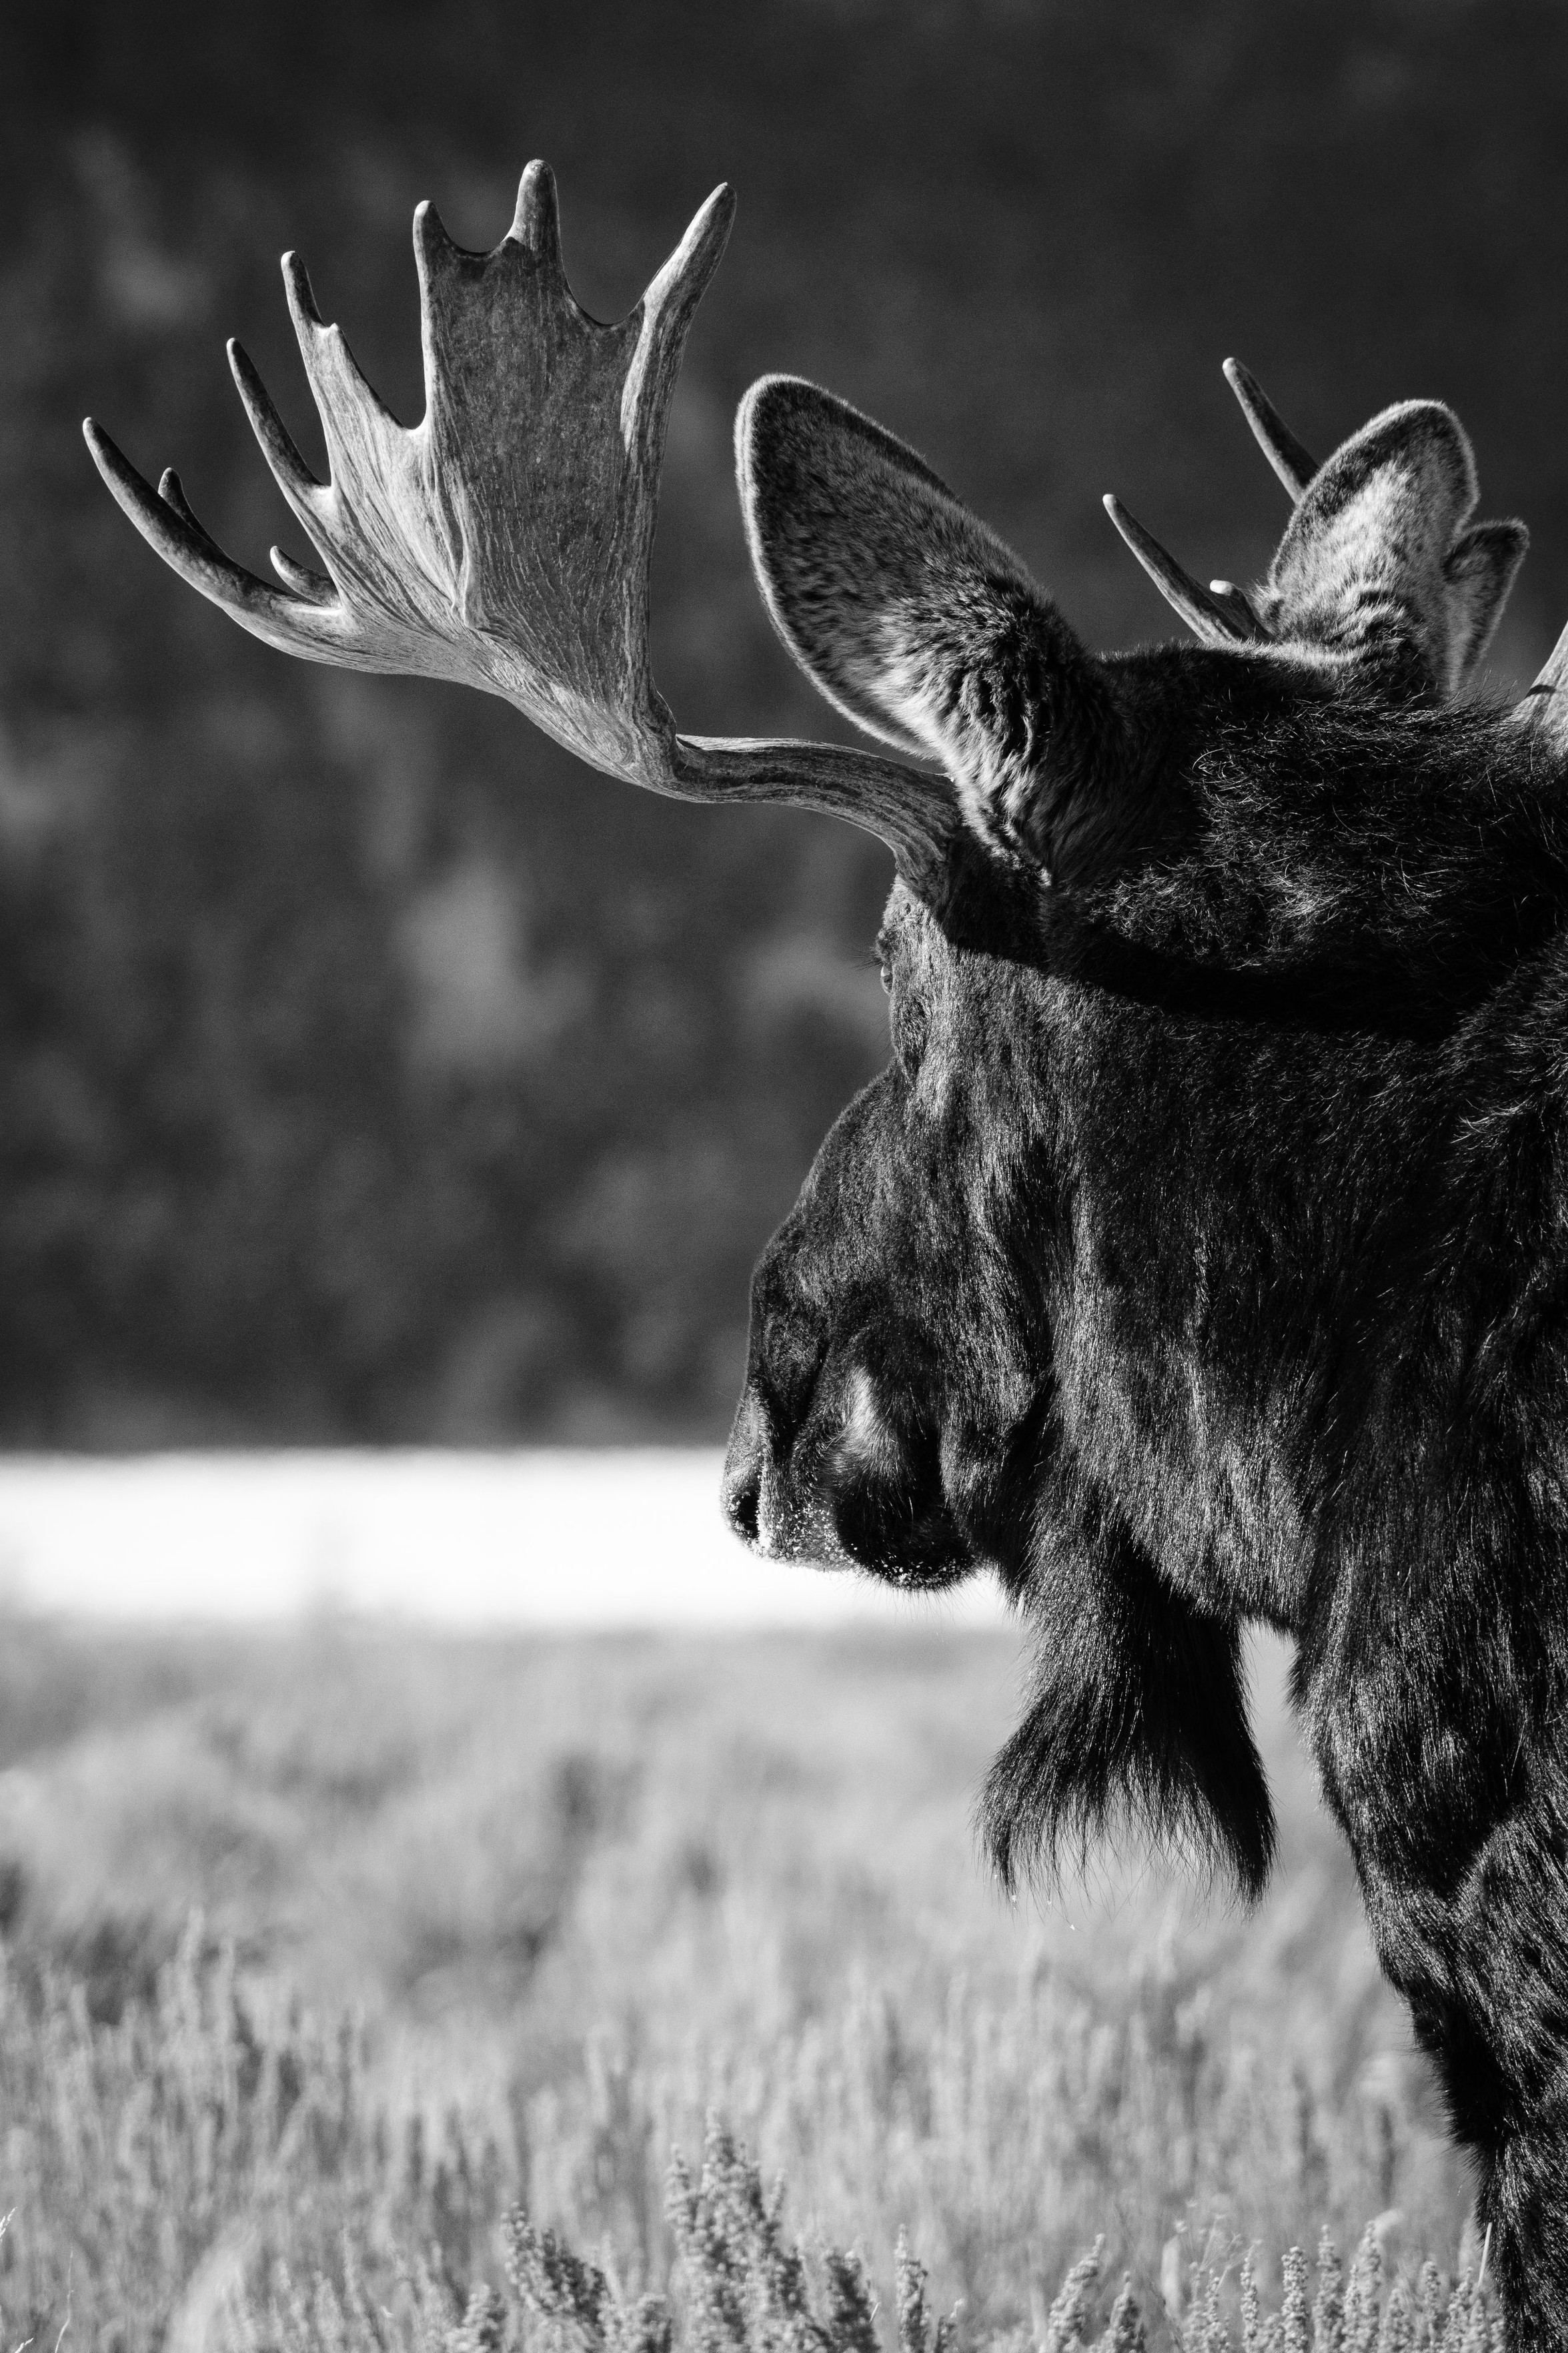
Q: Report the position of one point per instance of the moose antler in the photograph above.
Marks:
(1289, 460)
(504, 541)
(1222, 614)
(1544, 706)
(1451, 616)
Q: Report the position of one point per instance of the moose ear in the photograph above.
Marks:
(1375, 562)
(1481, 569)
(913, 619)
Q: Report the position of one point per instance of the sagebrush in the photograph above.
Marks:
(198, 2173)
(744, 2285)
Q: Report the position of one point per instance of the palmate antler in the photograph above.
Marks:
(504, 541)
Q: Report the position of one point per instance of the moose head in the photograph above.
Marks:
(1201, 1255)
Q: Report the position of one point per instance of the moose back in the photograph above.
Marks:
(1202, 1255)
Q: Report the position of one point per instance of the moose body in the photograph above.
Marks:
(1201, 1256)
(1203, 1317)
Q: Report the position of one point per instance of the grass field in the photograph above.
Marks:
(327, 1947)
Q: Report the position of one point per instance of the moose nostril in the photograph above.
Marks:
(743, 1467)
(742, 1498)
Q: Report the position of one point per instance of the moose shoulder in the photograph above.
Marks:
(1202, 1255)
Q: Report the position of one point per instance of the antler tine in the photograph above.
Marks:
(337, 382)
(1544, 707)
(667, 311)
(297, 577)
(1293, 464)
(1214, 621)
(169, 526)
(289, 469)
(361, 432)
(536, 223)
(172, 491)
(1238, 602)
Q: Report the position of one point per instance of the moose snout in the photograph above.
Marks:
(849, 1488)
(744, 1464)
(760, 1492)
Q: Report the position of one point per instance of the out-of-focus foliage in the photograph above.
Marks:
(366, 1068)
(585, 1891)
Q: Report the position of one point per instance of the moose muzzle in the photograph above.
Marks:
(857, 1484)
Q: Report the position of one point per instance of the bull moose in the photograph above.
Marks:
(1202, 1255)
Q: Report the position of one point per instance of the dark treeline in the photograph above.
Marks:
(367, 1069)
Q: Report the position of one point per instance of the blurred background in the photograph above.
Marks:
(370, 1072)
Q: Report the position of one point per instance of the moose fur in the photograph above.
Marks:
(1202, 1257)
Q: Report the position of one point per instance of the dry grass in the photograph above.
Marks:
(184, 2177)
(589, 1893)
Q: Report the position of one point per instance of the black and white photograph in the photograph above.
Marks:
(783, 1177)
